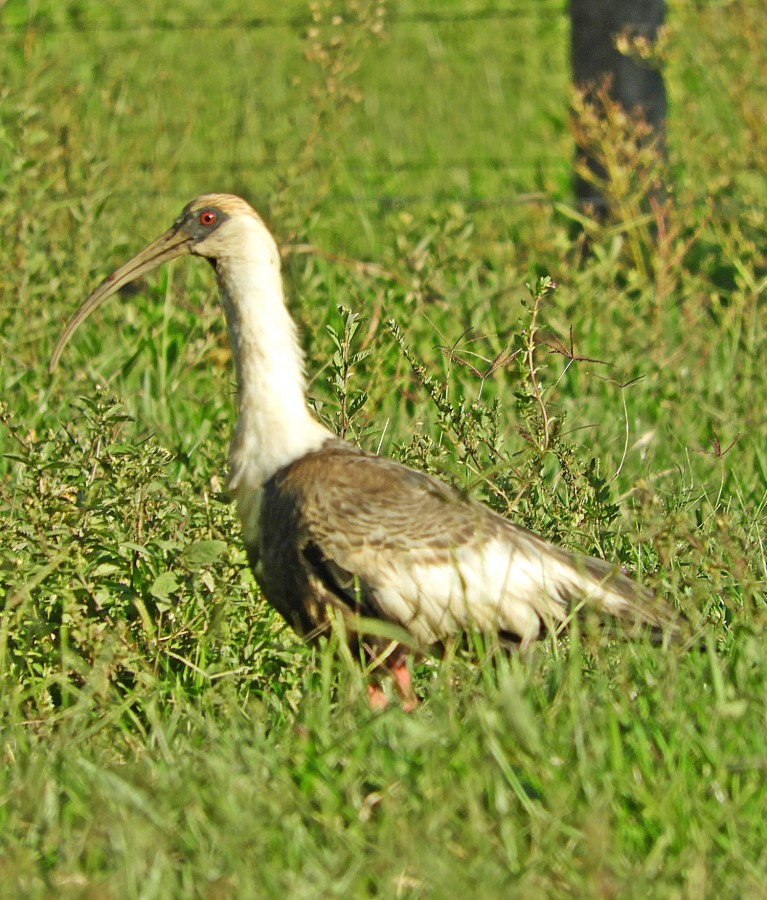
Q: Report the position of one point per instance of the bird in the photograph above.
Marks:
(402, 561)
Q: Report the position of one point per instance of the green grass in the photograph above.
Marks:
(162, 733)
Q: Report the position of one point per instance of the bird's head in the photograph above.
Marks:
(214, 226)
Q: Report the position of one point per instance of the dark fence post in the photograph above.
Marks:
(594, 26)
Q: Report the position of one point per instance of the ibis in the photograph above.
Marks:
(334, 533)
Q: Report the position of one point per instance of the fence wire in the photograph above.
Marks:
(298, 23)
(42, 25)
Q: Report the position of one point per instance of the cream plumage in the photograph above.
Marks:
(329, 526)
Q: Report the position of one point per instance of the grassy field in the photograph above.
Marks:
(162, 733)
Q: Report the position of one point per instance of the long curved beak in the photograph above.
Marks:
(170, 245)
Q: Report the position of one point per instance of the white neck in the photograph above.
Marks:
(274, 426)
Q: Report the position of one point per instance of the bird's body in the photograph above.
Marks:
(329, 527)
(414, 552)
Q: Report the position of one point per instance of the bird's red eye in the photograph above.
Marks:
(207, 217)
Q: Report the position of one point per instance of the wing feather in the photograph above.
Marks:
(373, 537)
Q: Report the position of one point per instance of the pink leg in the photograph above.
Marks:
(404, 684)
(376, 696)
(396, 664)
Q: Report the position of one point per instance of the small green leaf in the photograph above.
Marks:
(164, 585)
(203, 553)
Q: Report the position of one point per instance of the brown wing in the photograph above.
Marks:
(335, 523)
(371, 536)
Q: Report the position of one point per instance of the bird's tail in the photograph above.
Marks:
(574, 579)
